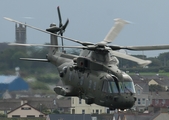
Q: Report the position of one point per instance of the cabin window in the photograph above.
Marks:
(81, 80)
(90, 83)
(109, 87)
(70, 76)
(94, 86)
(104, 87)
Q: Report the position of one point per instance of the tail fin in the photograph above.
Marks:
(53, 38)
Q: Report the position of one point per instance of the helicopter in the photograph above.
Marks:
(93, 75)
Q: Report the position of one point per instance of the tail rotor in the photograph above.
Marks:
(61, 29)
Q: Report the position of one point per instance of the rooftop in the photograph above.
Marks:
(7, 79)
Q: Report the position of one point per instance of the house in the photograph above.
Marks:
(160, 99)
(160, 80)
(24, 111)
(142, 93)
(160, 114)
(69, 117)
(12, 83)
(78, 106)
(41, 104)
(6, 105)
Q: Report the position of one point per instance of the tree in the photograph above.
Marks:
(156, 88)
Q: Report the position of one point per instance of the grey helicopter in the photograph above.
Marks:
(93, 75)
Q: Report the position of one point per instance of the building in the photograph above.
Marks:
(142, 93)
(41, 104)
(143, 98)
(25, 110)
(20, 33)
(160, 99)
(12, 83)
(78, 106)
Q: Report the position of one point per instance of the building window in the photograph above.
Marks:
(15, 116)
(80, 101)
(30, 115)
(83, 111)
(97, 111)
(100, 111)
(73, 111)
(108, 110)
(25, 108)
(143, 101)
(40, 115)
(138, 101)
(138, 91)
(72, 100)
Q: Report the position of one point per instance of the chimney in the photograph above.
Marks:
(23, 101)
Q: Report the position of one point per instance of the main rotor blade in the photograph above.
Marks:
(131, 58)
(19, 44)
(115, 30)
(70, 39)
(65, 25)
(35, 59)
(59, 15)
(153, 47)
(139, 48)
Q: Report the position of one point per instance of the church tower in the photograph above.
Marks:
(20, 33)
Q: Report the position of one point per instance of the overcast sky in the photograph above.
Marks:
(90, 20)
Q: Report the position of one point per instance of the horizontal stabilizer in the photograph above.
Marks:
(35, 59)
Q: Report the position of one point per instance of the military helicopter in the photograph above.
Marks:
(93, 75)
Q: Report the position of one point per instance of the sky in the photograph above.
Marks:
(91, 20)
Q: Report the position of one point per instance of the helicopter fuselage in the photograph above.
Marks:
(96, 80)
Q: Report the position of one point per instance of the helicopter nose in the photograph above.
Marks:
(124, 102)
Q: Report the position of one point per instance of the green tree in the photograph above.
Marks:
(156, 88)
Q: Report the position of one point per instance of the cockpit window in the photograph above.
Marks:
(129, 86)
(111, 87)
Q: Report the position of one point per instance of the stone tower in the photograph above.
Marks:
(20, 33)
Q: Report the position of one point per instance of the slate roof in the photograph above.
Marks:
(141, 81)
(160, 95)
(48, 102)
(7, 79)
(9, 104)
(12, 83)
